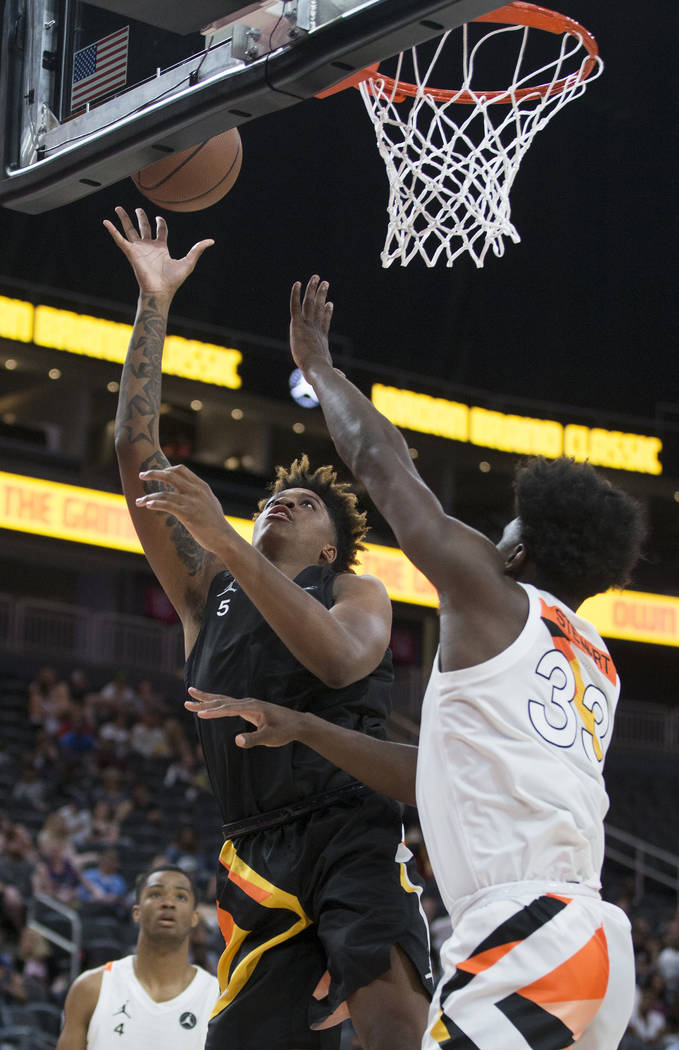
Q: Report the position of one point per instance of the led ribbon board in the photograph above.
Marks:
(68, 512)
(108, 341)
(519, 434)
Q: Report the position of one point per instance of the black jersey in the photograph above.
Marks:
(238, 654)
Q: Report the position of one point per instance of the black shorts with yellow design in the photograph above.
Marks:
(310, 910)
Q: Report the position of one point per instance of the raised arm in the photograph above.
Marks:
(182, 567)
(382, 765)
(462, 564)
(339, 645)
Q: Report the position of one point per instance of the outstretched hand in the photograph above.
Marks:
(274, 725)
(187, 497)
(310, 319)
(156, 271)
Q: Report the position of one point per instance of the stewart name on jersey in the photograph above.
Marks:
(238, 654)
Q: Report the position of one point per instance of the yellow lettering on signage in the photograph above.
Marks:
(16, 320)
(428, 415)
(26, 504)
(576, 442)
(203, 361)
(610, 448)
(218, 365)
(531, 437)
(81, 334)
(634, 616)
(520, 434)
(643, 616)
(108, 340)
(95, 518)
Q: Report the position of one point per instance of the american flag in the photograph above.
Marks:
(100, 68)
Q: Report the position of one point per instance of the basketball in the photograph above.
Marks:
(196, 177)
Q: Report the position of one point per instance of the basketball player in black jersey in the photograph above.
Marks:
(316, 901)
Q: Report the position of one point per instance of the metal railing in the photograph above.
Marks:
(73, 944)
(56, 629)
(643, 860)
(653, 727)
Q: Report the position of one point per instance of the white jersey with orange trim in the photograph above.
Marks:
(127, 1017)
(509, 776)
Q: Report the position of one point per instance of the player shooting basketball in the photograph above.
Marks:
(516, 722)
(316, 902)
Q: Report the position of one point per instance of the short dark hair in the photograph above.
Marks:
(583, 534)
(143, 878)
(342, 504)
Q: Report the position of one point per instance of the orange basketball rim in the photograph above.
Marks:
(518, 13)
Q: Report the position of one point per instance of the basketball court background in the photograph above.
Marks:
(582, 311)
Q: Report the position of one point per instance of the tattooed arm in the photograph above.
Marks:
(183, 568)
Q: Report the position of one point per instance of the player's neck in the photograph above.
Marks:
(569, 598)
(163, 971)
(288, 560)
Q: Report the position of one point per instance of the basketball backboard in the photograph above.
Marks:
(90, 92)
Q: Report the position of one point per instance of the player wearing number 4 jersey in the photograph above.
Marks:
(516, 721)
(154, 997)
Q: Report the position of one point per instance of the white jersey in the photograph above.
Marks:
(128, 1018)
(509, 776)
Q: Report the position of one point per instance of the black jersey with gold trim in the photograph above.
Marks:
(238, 654)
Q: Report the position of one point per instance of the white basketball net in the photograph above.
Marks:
(451, 166)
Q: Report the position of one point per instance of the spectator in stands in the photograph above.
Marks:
(103, 883)
(30, 790)
(12, 988)
(113, 791)
(647, 1022)
(646, 948)
(668, 959)
(56, 709)
(658, 995)
(77, 739)
(118, 694)
(77, 819)
(34, 952)
(45, 755)
(672, 1023)
(81, 689)
(38, 693)
(149, 736)
(104, 828)
(117, 731)
(188, 773)
(16, 872)
(139, 809)
(186, 853)
(205, 947)
(56, 873)
(148, 697)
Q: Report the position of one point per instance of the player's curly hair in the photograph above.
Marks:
(582, 534)
(350, 522)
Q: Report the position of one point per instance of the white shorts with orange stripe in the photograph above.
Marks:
(534, 971)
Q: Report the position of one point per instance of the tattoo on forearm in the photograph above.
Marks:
(139, 399)
(190, 553)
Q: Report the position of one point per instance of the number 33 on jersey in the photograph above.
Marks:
(576, 712)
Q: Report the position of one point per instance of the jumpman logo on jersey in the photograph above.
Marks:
(225, 603)
(123, 1010)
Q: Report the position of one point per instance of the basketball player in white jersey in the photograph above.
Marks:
(154, 997)
(515, 726)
